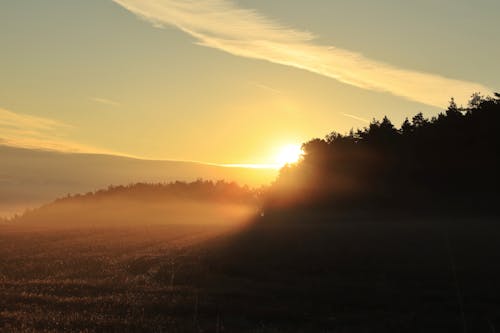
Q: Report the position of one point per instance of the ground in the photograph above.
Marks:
(280, 274)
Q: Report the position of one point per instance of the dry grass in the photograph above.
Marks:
(280, 275)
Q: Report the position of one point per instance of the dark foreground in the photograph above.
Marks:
(282, 274)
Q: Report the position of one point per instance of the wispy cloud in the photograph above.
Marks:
(364, 120)
(105, 101)
(13, 121)
(26, 131)
(266, 88)
(223, 25)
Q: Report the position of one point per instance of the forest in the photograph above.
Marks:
(447, 164)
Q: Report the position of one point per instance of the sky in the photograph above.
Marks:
(231, 82)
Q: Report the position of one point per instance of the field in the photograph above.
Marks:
(113, 280)
(280, 274)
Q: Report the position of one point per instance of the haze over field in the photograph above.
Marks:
(29, 178)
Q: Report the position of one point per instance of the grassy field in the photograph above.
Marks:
(280, 274)
(105, 280)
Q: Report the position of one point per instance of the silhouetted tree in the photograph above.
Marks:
(419, 120)
(406, 127)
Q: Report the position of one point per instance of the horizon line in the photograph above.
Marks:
(135, 157)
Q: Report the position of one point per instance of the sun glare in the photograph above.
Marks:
(289, 154)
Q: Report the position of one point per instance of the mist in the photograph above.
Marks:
(30, 178)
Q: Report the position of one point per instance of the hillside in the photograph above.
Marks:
(141, 205)
(29, 178)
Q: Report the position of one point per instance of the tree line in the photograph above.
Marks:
(143, 195)
(446, 163)
(199, 190)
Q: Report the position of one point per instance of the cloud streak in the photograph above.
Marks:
(26, 131)
(13, 121)
(266, 88)
(222, 25)
(105, 101)
(352, 116)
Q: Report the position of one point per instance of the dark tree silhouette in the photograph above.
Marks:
(141, 194)
(448, 163)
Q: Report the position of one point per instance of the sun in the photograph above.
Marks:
(289, 154)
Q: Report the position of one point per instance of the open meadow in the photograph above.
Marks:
(279, 274)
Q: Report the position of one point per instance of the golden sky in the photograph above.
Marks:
(231, 82)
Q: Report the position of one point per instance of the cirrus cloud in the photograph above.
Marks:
(222, 25)
(27, 131)
(105, 101)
